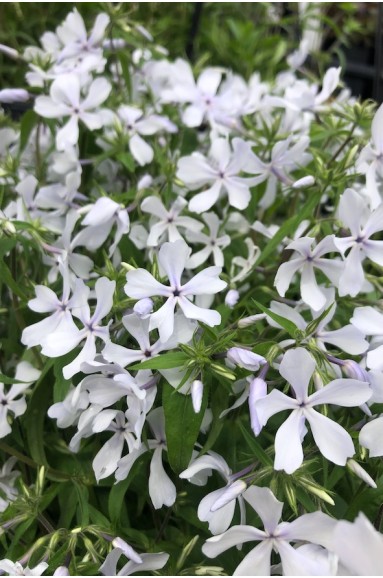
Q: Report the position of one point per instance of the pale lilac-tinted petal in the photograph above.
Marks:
(34, 334)
(204, 201)
(154, 206)
(297, 367)
(104, 292)
(310, 292)
(333, 441)
(347, 338)
(141, 283)
(126, 463)
(61, 342)
(67, 136)
(209, 79)
(109, 566)
(374, 222)
(296, 563)
(257, 390)
(371, 437)
(172, 257)
(234, 536)
(141, 151)
(98, 30)
(315, 527)
(238, 192)
(194, 170)
(332, 269)
(105, 461)
(329, 83)
(92, 120)
(193, 115)
(288, 443)
(206, 282)
(88, 353)
(207, 462)
(273, 403)
(352, 207)
(352, 278)
(46, 107)
(268, 508)
(191, 311)
(66, 90)
(289, 313)
(344, 392)
(46, 300)
(98, 92)
(375, 358)
(257, 562)
(374, 249)
(286, 273)
(162, 491)
(324, 246)
(368, 320)
(220, 152)
(163, 319)
(344, 243)
(19, 406)
(359, 547)
(220, 520)
(5, 428)
(150, 562)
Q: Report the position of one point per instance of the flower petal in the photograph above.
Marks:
(333, 441)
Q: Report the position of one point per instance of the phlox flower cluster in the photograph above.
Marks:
(199, 315)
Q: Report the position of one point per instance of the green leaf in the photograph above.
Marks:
(290, 327)
(289, 226)
(83, 502)
(255, 446)
(182, 426)
(61, 385)
(28, 122)
(312, 326)
(6, 277)
(8, 380)
(127, 160)
(117, 497)
(165, 361)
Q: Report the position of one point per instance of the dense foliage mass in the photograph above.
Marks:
(191, 274)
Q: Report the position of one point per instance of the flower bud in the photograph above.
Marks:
(231, 298)
(9, 95)
(247, 321)
(352, 369)
(245, 358)
(360, 472)
(61, 571)
(127, 550)
(258, 389)
(11, 52)
(231, 493)
(304, 182)
(144, 182)
(143, 308)
(197, 394)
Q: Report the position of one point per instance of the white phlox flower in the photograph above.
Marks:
(17, 569)
(65, 339)
(74, 37)
(370, 160)
(213, 243)
(297, 367)
(8, 477)
(166, 222)
(221, 170)
(173, 257)
(306, 259)
(65, 101)
(99, 221)
(315, 528)
(363, 223)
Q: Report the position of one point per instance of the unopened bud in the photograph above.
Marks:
(127, 550)
(360, 472)
(231, 493)
(245, 358)
(232, 298)
(143, 308)
(11, 52)
(8, 95)
(61, 571)
(304, 182)
(247, 321)
(144, 182)
(352, 369)
(197, 394)
(258, 389)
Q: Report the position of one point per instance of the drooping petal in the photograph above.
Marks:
(296, 563)
(163, 319)
(67, 136)
(288, 443)
(238, 193)
(204, 201)
(161, 489)
(88, 353)
(310, 292)
(371, 437)
(285, 274)
(141, 151)
(98, 92)
(220, 520)
(333, 441)
(105, 461)
(315, 527)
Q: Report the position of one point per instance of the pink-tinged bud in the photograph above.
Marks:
(61, 571)
(352, 369)
(361, 473)
(144, 182)
(8, 95)
(113, 43)
(245, 358)
(232, 298)
(197, 394)
(258, 389)
(127, 550)
(304, 182)
(143, 308)
(231, 493)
